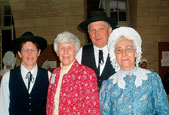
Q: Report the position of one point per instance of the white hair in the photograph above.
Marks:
(66, 37)
(143, 60)
(130, 34)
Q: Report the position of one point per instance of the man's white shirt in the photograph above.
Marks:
(96, 55)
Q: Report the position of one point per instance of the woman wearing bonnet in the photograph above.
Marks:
(131, 90)
(9, 61)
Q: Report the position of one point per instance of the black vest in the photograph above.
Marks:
(23, 103)
(88, 59)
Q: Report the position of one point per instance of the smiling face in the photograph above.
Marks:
(125, 54)
(29, 54)
(66, 53)
(99, 32)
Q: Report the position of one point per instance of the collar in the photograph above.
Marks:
(141, 74)
(96, 49)
(24, 71)
(75, 66)
(129, 73)
(65, 69)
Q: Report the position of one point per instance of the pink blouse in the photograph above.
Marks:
(79, 91)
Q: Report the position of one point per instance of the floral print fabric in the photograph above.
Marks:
(148, 99)
(78, 94)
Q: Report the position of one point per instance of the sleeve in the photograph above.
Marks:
(79, 56)
(49, 74)
(91, 94)
(104, 97)
(160, 96)
(4, 94)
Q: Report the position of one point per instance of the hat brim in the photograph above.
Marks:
(35, 39)
(111, 21)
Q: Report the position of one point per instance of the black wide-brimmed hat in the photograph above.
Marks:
(98, 16)
(28, 36)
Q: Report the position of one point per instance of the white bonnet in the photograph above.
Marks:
(130, 34)
(143, 60)
(9, 59)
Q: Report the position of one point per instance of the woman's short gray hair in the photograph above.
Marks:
(130, 34)
(66, 37)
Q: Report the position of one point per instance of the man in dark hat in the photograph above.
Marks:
(23, 90)
(95, 54)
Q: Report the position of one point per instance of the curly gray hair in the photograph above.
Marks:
(66, 37)
(130, 34)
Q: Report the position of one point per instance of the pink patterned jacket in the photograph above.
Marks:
(79, 92)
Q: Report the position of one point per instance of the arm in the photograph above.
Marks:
(79, 56)
(160, 97)
(104, 97)
(91, 94)
(49, 74)
(4, 95)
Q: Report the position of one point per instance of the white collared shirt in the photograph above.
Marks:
(24, 71)
(96, 55)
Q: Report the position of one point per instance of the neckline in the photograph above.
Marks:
(66, 67)
(140, 74)
(129, 73)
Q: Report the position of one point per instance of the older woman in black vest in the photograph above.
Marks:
(23, 90)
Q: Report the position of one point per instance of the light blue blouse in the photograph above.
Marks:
(139, 94)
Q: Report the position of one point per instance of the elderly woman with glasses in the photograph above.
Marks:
(131, 90)
(73, 88)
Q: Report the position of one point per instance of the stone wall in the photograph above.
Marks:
(47, 18)
(153, 25)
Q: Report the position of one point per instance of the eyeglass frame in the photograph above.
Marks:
(128, 49)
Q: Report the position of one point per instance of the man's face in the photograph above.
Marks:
(29, 54)
(99, 32)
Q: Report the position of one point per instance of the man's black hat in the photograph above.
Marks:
(28, 36)
(98, 16)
